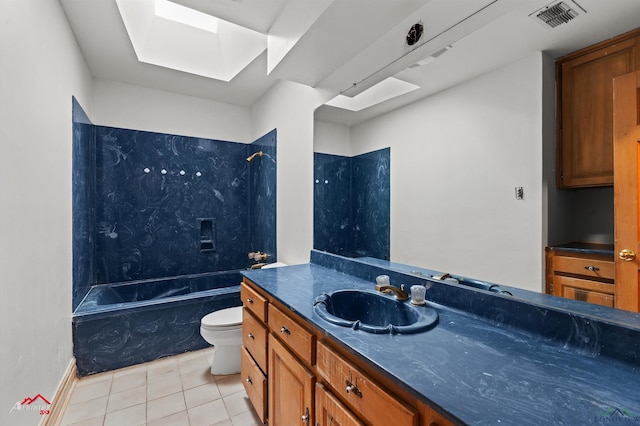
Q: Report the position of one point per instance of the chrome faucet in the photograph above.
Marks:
(386, 289)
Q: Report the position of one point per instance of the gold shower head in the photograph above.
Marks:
(250, 158)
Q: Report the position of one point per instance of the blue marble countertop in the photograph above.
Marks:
(492, 359)
(586, 248)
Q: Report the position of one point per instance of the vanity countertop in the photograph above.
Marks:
(482, 369)
(585, 248)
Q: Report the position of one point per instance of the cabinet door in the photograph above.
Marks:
(626, 191)
(364, 396)
(290, 388)
(331, 412)
(585, 133)
(255, 384)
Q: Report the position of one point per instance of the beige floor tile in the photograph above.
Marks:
(130, 416)
(157, 389)
(226, 422)
(230, 385)
(93, 421)
(177, 419)
(162, 371)
(237, 403)
(90, 390)
(128, 398)
(248, 418)
(196, 378)
(165, 406)
(198, 363)
(94, 378)
(163, 363)
(201, 394)
(129, 381)
(208, 414)
(191, 354)
(133, 369)
(85, 410)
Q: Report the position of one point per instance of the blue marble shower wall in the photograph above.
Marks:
(152, 205)
(352, 204)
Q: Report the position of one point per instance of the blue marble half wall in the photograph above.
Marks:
(151, 205)
(351, 211)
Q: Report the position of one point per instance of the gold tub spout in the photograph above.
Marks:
(257, 266)
(386, 289)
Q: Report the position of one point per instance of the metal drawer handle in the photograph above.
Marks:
(251, 336)
(285, 330)
(249, 300)
(592, 268)
(249, 380)
(351, 388)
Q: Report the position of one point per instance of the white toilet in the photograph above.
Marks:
(223, 329)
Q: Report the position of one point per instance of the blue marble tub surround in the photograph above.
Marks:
(120, 325)
(262, 196)
(352, 204)
(474, 370)
(371, 186)
(152, 189)
(83, 178)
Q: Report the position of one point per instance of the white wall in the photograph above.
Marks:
(289, 108)
(134, 107)
(456, 158)
(40, 69)
(331, 138)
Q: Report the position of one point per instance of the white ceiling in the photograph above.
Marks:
(332, 44)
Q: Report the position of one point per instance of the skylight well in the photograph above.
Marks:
(184, 15)
(173, 36)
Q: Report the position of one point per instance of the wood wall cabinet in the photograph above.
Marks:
(311, 381)
(581, 276)
(584, 152)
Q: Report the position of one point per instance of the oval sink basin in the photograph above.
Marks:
(373, 312)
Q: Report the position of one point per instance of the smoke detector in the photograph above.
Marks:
(556, 13)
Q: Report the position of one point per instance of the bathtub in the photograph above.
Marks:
(123, 324)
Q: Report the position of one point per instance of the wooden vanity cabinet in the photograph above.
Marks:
(584, 83)
(330, 411)
(581, 276)
(253, 353)
(369, 401)
(310, 382)
(291, 388)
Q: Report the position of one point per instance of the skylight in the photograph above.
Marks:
(184, 15)
(173, 36)
(383, 91)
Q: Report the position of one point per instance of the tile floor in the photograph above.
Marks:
(173, 391)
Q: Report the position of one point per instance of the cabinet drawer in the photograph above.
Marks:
(330, 411)
(254, 338)
(254, 302)
(585, 290)
(296, 337)
(594, 268)
(368, 400)
(255, 383)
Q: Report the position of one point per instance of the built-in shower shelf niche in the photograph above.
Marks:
(207, 229)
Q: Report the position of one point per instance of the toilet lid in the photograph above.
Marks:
(224, 318)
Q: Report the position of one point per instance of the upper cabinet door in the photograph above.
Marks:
(585, 109)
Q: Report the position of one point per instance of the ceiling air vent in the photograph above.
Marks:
(556, 13)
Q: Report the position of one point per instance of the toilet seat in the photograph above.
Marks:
(222, 319)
